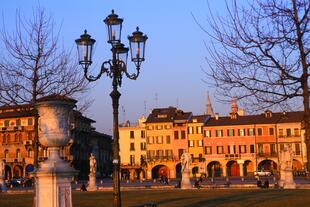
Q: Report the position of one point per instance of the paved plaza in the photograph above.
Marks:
(179, 198)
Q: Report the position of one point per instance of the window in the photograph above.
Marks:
(4, 140)
(230, 132)
(44, 152)
(219, 133)
(207, 133)
(208, 150)
(142, 134)
(30, 121)
(159, 139)
(159, 127)
(260, 148)
(190, 130)
(200, 157)
(132, 146)
(167, 126)
(168, 154)
(143, 146)
(132, 134)
(242, 149)
(160, 154)
(271, 131)
(259, 131)
(6, 123)
(281, 134)
(151, 154)
(132, 159)
(18, 122)
(288, 133)
(15, 137)
(220, 150)
(20, 138)
(297, 149)
(17, 154)
(176, 134)
(183, 134)
(231, 149)
(29, 136)
(30, 153)
(251, 132)
(150, 140)
(6, 154)
(168, 139)
(191, 143)
(200, 143)
(241, 132)
(296, 132)
(281, 147)
(272, 149)
(199, 130)
(252, 148)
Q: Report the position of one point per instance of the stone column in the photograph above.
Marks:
(240, 162)
(54, 175)
(224, 171)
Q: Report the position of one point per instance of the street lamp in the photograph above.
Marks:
(114, 68)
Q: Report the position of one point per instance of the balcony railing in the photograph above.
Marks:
(232, 156)
(268, 154)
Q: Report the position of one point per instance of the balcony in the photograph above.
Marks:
(160, 158)
(232, 156)
(268, 154)
(197, 159)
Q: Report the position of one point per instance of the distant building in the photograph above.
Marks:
(16, 143)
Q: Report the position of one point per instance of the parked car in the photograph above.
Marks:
(263, 173)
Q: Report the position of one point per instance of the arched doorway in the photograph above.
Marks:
(17, 171)
(297, 166)
(233, 168)
(214, 169)
(125, 174)
(160, 171)
(267, 165)
(248, 168)
(195, 171)
(29, 168)
(8, 172)
(178, 170)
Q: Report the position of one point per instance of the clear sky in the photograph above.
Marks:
(174, 51)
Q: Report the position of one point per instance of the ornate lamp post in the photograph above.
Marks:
(114, 68)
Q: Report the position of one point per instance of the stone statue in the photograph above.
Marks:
(286, 157)
(92, 164)
(186, 159)
(286, 168)
(92, 186)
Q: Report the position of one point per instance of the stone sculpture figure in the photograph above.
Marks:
(286, 171)
(92, 164)
(92, 186)
(186, 160)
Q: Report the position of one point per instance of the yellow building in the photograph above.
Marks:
(133, 150)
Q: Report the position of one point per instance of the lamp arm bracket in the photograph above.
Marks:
(123, 68)
(103, 70)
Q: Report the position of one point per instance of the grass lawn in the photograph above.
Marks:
(179, 198)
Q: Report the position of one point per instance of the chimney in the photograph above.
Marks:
(216, 116)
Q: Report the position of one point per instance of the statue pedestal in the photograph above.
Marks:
(185, 182)
(2, 185)
(53, 182)
(286, 179)
(92, 186)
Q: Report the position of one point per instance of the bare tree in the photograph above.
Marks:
(260, 54)
(35, 64)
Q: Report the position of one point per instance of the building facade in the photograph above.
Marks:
(17, 150)
(234, 145)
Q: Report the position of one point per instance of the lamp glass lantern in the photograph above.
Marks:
(114, 24)
(85, 49)
(121, 52)
(137, 46)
